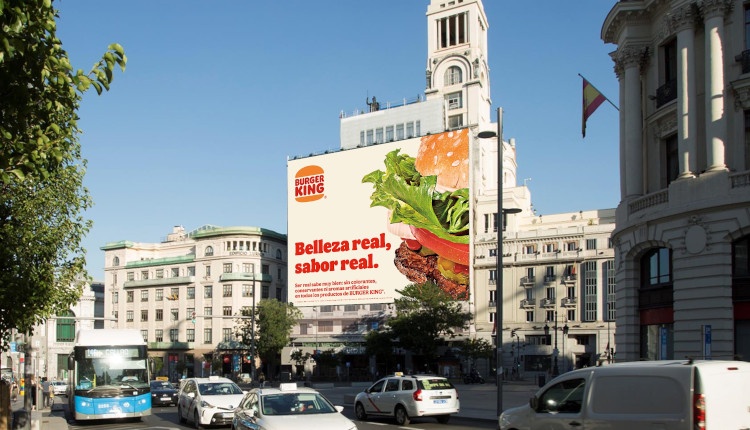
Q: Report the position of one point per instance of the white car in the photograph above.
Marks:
(208, 401)
(406, 397)
(59, 388)
(289, 407)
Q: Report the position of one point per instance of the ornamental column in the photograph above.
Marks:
(630, 59)
(716, 128)
(687, 126)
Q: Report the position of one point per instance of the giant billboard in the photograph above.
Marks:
(366, 222)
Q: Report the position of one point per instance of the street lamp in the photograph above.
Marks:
(252, 335)
(555, 368)
(499, 267)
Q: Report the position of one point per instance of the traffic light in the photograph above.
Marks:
(194, 315)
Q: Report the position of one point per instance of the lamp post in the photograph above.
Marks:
(499, 267)
(252, 335)
(555, 368)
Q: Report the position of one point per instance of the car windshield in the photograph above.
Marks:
(218, 389)
(295, 404)
(435, 384)
(161, 385)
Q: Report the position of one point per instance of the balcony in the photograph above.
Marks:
(569, 279)
(569, 302)
(244, 276)
(666, 93)
(528, 281)
(528, 303)
(547, 303)
(549, 279)
(492, 304)
(181, 280)
(171, 345)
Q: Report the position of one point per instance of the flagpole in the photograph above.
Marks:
(597, 89)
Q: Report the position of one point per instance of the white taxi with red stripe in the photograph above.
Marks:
(407, 396)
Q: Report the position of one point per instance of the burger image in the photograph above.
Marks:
(427, 198)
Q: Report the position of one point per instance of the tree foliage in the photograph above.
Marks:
(472, 349)
(42, 197)
(425, 315)
(379, 343)
(274, 323)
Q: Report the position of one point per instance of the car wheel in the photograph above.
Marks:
(359, 411)
(183, 420)
(197, 420)
(443, 419)
(402, 418)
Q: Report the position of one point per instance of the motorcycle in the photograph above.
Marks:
(473, 378)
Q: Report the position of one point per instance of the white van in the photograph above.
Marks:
(649, 395)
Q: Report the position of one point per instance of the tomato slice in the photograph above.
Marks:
(412, 244)
(458, 252)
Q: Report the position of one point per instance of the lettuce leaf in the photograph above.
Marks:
(413, 200)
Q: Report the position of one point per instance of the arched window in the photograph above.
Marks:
(209, 251)
(655, 304)
(453, 75)
(278, 254)
(116, 261)
(66, 328)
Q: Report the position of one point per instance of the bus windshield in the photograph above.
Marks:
(123, 367)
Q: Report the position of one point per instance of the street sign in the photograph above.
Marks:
(706, 329)
(13, 347)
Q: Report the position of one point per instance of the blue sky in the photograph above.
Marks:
(217, 94)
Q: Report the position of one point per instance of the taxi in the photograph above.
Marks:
(208, 401)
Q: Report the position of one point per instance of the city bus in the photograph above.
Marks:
(109, 374)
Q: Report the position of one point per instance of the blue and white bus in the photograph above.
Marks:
(109, 375)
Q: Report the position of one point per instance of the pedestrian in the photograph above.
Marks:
(32, 392)
(45, 392)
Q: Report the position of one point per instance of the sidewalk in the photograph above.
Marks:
(46, 419)
(478, 401)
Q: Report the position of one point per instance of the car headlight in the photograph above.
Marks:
(205, 404)
(504, 421)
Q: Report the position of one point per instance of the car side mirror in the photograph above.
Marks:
(534, 402)
(339, 408)
(71, 362)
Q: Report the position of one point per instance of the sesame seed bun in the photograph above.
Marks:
(445, 155)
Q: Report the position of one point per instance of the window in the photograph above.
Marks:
(173, 334)
(129, 316)
(656, 268)
(419, 128)
(208, 271)
(159, 295)
(209, 251)
(549, 271)
(389, 133)
(175, 292)
(564, 397)
(131, 276)
(362, 138)
(115, 297)
(590, 243)
(207, 312)
(144, 295)
(571, 314)
(189, 312)
(144, 334)
(550, 316)
(529, 249)
(207, 335)
(175, 314)
(456, 121)
(144, 315)
(668, 77)
(159, 335)
(144, 275)
(66, 328)
(116, 261)
(247, 268)
(227, 290)
(453, 30)
(325, 326)
(671, 163)
(129, 297)
(264, 292)
(208, 291)
(454, 100)
(493, 276)
(190, 334)
(370, 137)
(227, 267)
(278, 294)
(159, 273)
(226, 334)
(159, 315)
(191, 270)
(379, 135)
(609, 270)
(493, 297)
(589, 291)
(227, 311)
(247, 290)
(551, 293)
(175, 272)
(399, 132)
(529, 316)
(116, 315)
(548, 247)
(571, 246)
(190, 292)
(453, 76)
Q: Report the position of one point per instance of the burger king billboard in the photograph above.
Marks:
(366, 222)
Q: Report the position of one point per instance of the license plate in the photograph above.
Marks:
(165, 398)
(227, 415)
(441, 401)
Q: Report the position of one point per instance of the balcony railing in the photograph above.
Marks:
(528, 303)
(547, 303)
(653, 199)
(492, 304)
(569, 302)
(548, 279)
(528, 281)
(570, 278)
(666, 93)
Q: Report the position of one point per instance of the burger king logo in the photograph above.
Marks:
(309, 184)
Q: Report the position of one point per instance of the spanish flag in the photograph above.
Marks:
(592, 98)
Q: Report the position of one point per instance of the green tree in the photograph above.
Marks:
(42, 197)
(425, 316)
(273, 327)
(472, 349)
(379, 343)
(300, 359)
